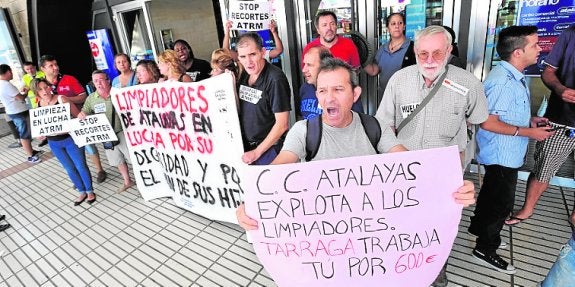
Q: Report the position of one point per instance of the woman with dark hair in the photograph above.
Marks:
(127, 76)
(72, 157)
(147, 72)
(197, 69)
(393, 55)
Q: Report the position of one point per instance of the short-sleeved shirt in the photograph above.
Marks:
(337, 142)
(96, 104)
(389, 62)
(343, 49)
(309, 104)
(8, 93)
(562, 58)
(200, 70)
(259, 102)
(508, 98)
(132, 82)
(27, 79)
(68, 86)
(442, 122)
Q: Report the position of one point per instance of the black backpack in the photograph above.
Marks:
(314, 131)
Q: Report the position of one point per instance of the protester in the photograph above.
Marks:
(503, 139)
(72, 157)
(100, 101)
(340, 47)
(196, 69)
(342, 132)
(16, 108)
(222, 61)
(171, 68)
(551, 153)
(309, 104)
(127, 76)
(70, 87)
(147, 72)
(455, 97)
(393, 55)
(265, 103)
(31, 74)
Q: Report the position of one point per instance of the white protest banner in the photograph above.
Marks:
(250, 15)
(93, 129)
(51, 120)
(185, 142)
(379, 220)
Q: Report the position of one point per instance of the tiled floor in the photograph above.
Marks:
(122, 240)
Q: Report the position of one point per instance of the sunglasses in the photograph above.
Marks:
(437, 55)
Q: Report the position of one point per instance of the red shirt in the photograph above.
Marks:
(343, 49)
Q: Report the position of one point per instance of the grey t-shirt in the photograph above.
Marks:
(338, 142)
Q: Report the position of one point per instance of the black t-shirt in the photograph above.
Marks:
(200, 70)
(270, 94)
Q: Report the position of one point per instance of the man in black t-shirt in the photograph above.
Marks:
(265, 102)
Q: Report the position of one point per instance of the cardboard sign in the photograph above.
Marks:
(250, 15)
(51, 120)
(381, 220)
(93, 129)
(185, 142)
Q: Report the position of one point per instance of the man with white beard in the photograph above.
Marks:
(442, 98)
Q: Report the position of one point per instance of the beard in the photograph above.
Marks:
(439, 68)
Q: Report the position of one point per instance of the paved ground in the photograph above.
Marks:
(122, 240)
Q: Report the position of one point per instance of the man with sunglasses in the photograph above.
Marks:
(551, 153)
(503, 140)
(455, 97)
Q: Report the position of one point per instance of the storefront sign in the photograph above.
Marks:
(551, 18)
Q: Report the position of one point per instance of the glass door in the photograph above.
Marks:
(133, 24)
(10, 50)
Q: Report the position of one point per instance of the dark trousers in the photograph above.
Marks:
(494, 204)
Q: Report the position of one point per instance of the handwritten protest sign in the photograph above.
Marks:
(185, 142)
(51, 120)
(381, 220)
(93, 129)
(250, 15)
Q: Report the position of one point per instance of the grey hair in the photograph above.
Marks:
(432, 30)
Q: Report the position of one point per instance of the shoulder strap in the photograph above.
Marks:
(372, 129)
(409, 57)
(423, 103)
(312, 137)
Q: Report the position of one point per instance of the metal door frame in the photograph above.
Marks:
(119, 22)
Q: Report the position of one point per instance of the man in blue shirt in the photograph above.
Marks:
(503, 140)
(309, 105)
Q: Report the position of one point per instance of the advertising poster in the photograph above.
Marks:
(102, 51)
(414, 17)
(551, 18)
(380, 220)
(185, 142)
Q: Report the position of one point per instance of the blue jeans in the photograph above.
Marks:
(73, 160)
(562, 272)
(22, 123)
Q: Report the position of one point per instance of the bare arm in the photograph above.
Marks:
(493, 124)
(551, 80)
(279, 128)
(226, 41)
(371, 69)
(279, 45)
(78, 99)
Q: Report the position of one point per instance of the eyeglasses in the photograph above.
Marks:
(437, 55)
